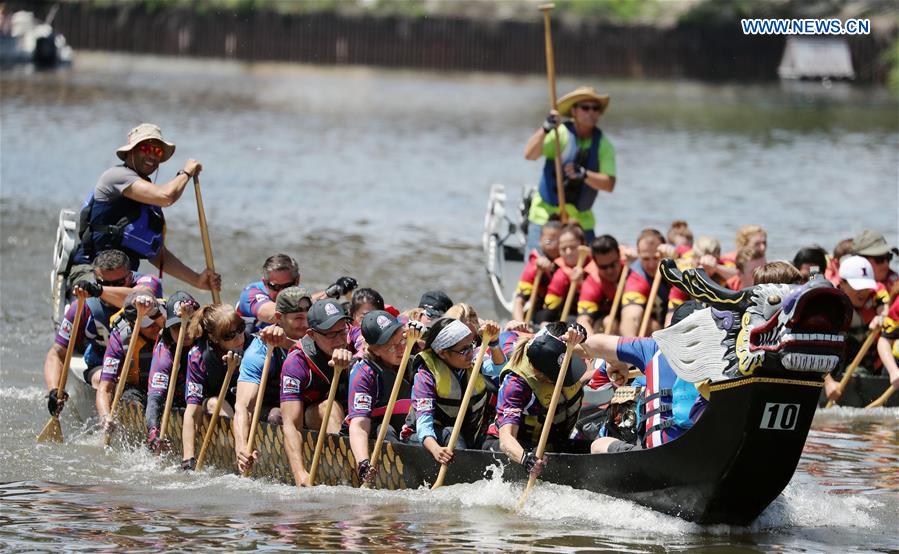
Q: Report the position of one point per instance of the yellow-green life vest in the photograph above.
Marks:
(450, 390)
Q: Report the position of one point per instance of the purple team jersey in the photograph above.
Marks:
(161, 370)
(297, 378)
(515, 400)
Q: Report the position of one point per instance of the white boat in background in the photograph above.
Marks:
(24, 39)
(503, 242)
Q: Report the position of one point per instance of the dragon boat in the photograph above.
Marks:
(503, 243)
(758, 355)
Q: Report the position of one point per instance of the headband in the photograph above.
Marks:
(450, 335)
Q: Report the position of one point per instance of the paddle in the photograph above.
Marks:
(551, 81)
(173, 379)
(323, 430)
(647, 313)
(582, 253)
(204, 234)
(257, 409)
(882, 399)
(52, 431)
(232, 359)
(532, 303)
(872, 337)
(619, 292)
(412, 335)
(463, 407)
(126, 367)
(547, 424)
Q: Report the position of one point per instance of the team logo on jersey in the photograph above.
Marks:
(424, 404)
(331, 309)
(159, 381)
(511, 412)
(65, 329)
(194, 389)
(290, 385)
(262, 298)
(110, 366)
(382, 321)
(362, 402)
(559, 361)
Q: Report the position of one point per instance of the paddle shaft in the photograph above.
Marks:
(257, 409)
(547, 423)
(126, 368)
(463, 407)
(394, 392)
(582, 254)
(207, 438)
(532, 303)
(204, 234)
(551, 81)
(882, 399)
(323, 430)
(53, 428)
(173, 380)
(872, 338)
(619, 292)
(650, 302)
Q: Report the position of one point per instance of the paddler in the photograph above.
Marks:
(371, 381)
(104, 291)
(588, 162)
(539, 260)
(527, 386)
(597, 294)
(216, 329)
(124, 211)
(571, 239)
(179, 307)
(306, 379)
(137, 369)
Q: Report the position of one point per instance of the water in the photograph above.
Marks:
(383, 175)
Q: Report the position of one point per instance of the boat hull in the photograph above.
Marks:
(726, 469)
(862, 389)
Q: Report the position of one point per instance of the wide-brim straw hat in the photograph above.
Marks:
(146, 131)
(578, 95)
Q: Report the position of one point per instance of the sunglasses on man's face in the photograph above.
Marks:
(882, 259)
(231, 335)
(147, 148)
(589, 107)
(114, 282)
(279, 286)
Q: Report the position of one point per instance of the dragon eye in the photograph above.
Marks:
(774, 299)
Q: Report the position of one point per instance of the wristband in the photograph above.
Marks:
(182, 172)
(494, 343)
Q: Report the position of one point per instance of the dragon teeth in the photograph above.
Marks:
(797, 361)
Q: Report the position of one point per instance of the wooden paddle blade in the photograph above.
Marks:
(52, 431)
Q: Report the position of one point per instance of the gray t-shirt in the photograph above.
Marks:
(113, 182)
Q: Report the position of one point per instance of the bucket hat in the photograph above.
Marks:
(146, 131)
(578, 95)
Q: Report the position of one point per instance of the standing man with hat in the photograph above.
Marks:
(873, 246)
(290, 325)
(124, 211)
(588, 162)
(306, 379)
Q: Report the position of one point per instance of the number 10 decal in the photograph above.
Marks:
(781, 417)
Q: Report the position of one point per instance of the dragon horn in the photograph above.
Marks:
(698, 285)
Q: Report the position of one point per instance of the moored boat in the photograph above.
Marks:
(503, 242)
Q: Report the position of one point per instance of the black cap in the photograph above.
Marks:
(173, 304)
(546, 353)
(435, 303)
(378, 326)
(325, 314)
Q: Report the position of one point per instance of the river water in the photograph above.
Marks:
(383, 175)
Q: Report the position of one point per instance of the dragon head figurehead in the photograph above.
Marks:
(776, 327)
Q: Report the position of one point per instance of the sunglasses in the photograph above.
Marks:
(279, 286)
(333, 334)
(147, 148)
(882, 259)
(231, 335)
(115, 282)
(589, 107)
(465, 351)
(609, 265)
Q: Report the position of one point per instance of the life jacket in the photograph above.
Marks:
(136, 228)
(101, 314)
(216, 369)
(567, 409)
(320, 382)
(138, 367)
(450, 390)
(386, 377)
(577, 192)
